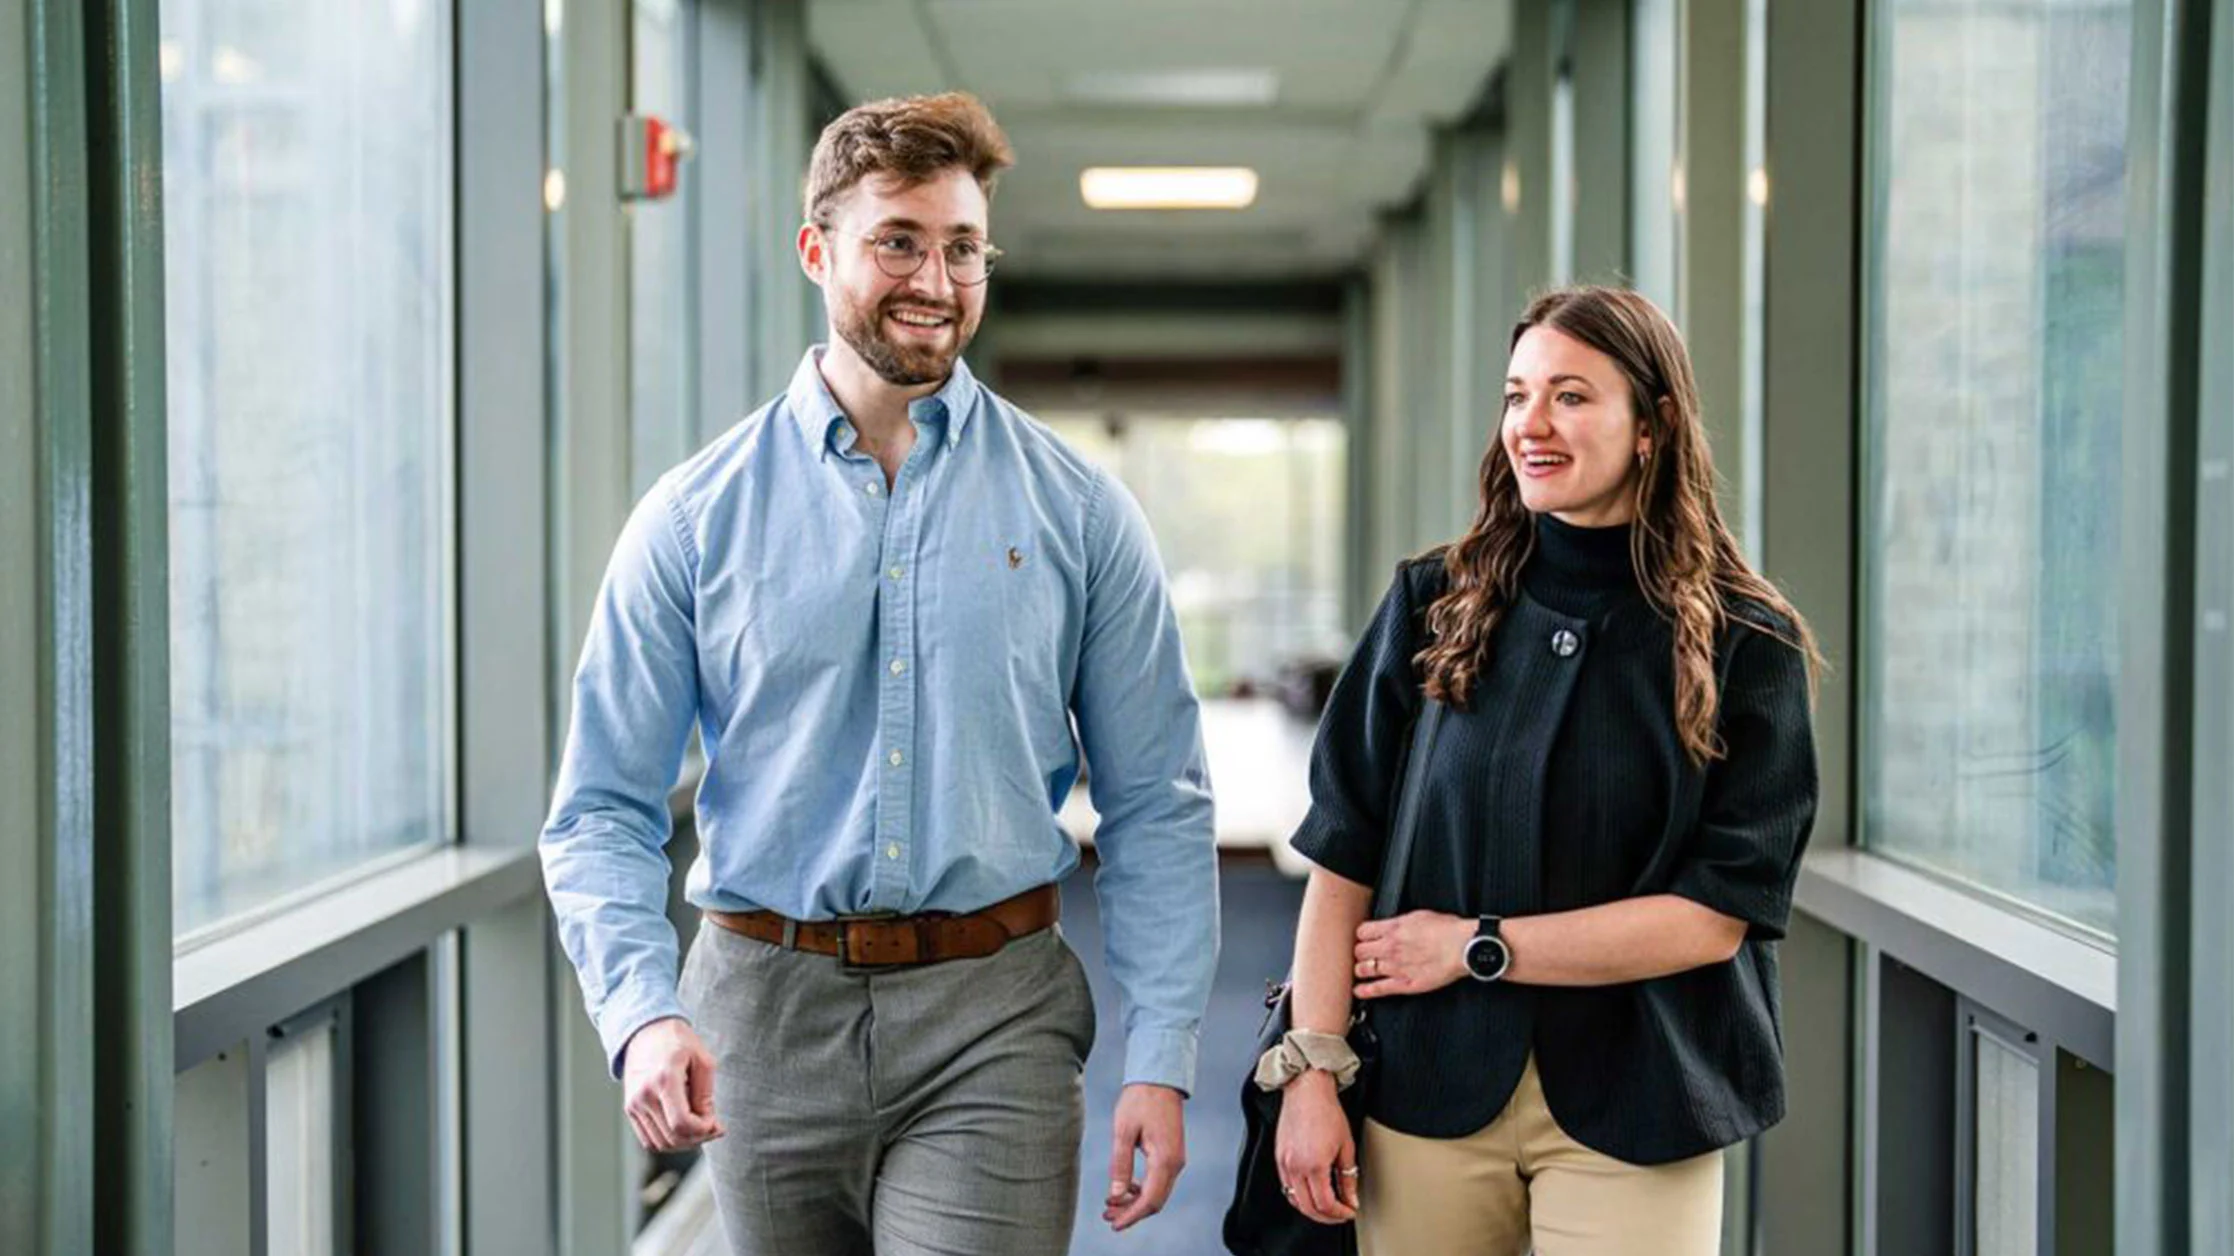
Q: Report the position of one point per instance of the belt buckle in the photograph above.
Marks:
(845, 936)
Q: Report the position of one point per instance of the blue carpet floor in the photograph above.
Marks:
(1258, 908)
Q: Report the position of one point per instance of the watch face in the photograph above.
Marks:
(1486, 958)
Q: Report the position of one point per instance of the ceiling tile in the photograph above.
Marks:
(1359, 84)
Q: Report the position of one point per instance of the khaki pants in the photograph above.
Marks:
(1523, 1181)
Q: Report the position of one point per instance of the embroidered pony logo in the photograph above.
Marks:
(1015, 558)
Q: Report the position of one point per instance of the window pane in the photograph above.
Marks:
(1654, 119)
(663, 326)
(1247, 515)
(1996, 359)
(307, 212)
(1563, 176)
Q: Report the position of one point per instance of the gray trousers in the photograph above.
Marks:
(901, 1111)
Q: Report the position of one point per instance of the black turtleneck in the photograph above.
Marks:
(1583, 572)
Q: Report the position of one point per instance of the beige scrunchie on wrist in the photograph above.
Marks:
(1301, 1050)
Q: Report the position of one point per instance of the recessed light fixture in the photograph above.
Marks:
(1168, 187)
(1215, 88)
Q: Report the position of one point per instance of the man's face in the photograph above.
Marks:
(907, 329)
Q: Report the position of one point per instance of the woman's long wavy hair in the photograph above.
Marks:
(1687, 563)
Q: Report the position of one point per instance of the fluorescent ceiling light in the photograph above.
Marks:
(1230, 88)
(1168, 187)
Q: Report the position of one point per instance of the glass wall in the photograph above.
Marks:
(1994, 385)
(663, 271)
(308, 200)
(1655, 176)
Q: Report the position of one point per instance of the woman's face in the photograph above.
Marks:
(1571, 430)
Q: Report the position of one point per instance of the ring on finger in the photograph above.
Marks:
(1349, 1172)
(1373, 965)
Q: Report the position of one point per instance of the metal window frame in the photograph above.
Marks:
(489, 995)
(2157, 767)
(1816, 1174)
(47, 870)
(2211, 979)
(84, 847)
(2152, 977)
(587, 69)
(2001, 958)
(87, 825)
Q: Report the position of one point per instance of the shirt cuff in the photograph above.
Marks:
(1161, 1057)
(628, 1011)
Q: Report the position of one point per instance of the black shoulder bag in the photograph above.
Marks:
(1261, 1221)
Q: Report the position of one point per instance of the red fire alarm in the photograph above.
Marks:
(651, 150)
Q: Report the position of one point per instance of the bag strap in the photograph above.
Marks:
(1396, 861)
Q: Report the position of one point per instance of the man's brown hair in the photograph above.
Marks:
(913, 138)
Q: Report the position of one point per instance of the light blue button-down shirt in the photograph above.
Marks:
(884, 681)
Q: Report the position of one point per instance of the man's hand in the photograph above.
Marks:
(667, 1078)
(1150, 1119)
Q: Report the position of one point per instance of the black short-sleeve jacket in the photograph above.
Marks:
(1563, 784)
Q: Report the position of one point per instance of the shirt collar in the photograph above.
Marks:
(819, 416)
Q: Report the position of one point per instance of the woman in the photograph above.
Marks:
(1577, 1006)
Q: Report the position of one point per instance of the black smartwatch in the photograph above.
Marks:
(1486, 955)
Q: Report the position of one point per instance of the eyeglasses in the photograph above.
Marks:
(969, 261)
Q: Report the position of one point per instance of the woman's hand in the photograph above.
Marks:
(1410, 954)
(1315, 1150)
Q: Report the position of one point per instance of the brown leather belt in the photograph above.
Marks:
(890, 941)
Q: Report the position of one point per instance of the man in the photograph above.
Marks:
(884, 597)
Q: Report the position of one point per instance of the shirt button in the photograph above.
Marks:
(897, 758)
(894, 573)
(872, 488)
(892, 851)
(898, 667)
(1564, 643)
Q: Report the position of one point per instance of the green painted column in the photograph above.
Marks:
(130, 1050)
(1711, 208)
(46, 839)
(84, 873)
(1524, 182)
(1598, 49)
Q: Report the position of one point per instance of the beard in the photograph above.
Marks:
(905, 366)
